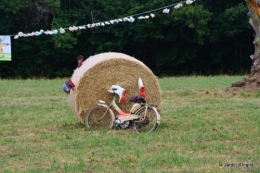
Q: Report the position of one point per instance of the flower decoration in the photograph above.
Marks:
(144, 17)
(37, 33)
(46, 32)
(20, 34)
(166, 10)
(108, 22)
(131, 19)
(32, 34)
(189, 1)
(62, 31)
(55, 31)
(177, 6)
(75, 28)
(82, 27)
(125, 19)
(71, 28)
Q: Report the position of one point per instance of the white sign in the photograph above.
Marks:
(5, 48)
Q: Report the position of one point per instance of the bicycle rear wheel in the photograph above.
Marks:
(99, 118)
(146, 123)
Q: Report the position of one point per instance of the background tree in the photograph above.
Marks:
(254, 17)
(207, 37)
(253, 80)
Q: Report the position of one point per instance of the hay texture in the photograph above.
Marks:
(96, 75)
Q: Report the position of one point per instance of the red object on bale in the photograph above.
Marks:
(70, 83)
(141, 92)
(141, 88)
(80, 60)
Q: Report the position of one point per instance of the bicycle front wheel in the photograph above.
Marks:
(99, 118)
(147, 121)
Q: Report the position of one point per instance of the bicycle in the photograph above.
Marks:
(142, 116)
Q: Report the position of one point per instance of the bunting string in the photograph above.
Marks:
(130, 18)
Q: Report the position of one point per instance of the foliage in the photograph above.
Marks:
(206, 37)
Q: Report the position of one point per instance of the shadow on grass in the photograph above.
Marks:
(72, 126)
(112, 131)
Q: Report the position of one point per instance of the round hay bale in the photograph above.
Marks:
(96, 75)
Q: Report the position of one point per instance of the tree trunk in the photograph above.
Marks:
(254, 20)
(253, 79)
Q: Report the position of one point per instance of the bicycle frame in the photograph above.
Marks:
(122, 116)
(142, 116)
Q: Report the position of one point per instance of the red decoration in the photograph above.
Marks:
(80, 60)
(70, 83)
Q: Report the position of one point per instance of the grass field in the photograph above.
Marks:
(205, 127)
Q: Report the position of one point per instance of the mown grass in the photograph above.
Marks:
(204, 128)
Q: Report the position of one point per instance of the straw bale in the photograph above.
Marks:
(99, 72)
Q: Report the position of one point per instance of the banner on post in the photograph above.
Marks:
(5, 48)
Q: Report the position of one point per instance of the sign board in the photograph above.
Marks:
(5, 48)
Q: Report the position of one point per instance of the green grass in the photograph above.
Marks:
(203, 125)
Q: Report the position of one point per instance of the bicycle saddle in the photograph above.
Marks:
(121, 92)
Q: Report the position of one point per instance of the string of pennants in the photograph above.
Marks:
(130, 19)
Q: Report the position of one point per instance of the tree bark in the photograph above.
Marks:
(254, 21)
(253, 79)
